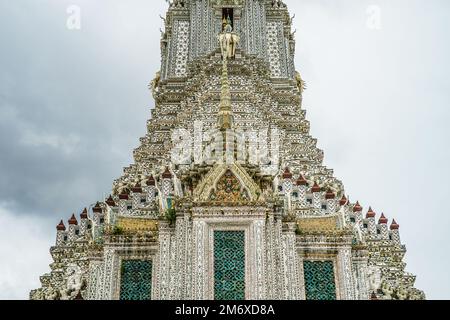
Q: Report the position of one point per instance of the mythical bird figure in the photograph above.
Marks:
(301, 84)
(374, 276)
(74, 282)
(155, 83)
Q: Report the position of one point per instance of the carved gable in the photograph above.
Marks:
(225, 184)
(229, 189)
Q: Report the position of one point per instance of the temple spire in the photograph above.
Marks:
(225, 111)
(228, 42)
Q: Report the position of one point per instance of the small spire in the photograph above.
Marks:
(343, 201)
(301, 181)
(97, 208)
(373, 296)
(370, 213)
(151, 181)
(330, 195)
(137, 188)
(357, 207)
(395, 225)
(167, 174)
(383, 219)
(84, 214)
(315, 188)
(287, 174)
(124, 195)
(61, 226)
(110, 201)
(73, 220)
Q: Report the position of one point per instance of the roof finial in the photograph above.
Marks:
(370, 213)
(61, 226)
(357, 207)
(73, 220)
(394, 225)
(343, 201)
(383, 219)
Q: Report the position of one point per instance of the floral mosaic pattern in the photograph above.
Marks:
(229, 189)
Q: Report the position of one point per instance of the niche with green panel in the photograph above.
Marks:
(229, 265)
(319, 280)
(136, 280)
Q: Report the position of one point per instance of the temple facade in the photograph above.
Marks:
(228, 197)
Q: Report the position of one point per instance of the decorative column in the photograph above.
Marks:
(360, 259)
(372, 226)
(383, 227)
(395, 233)
(199, 261)
(302, 185)
(113, 210)
(163, 273)
(259, 247)
(94, 279)
(173, 264)
(301, 276)
(270, 258)
(290, 262)
(151, 189)
(99, 221)
(357, 211)
(60, 234)
(347, 291)
(123, 203)
(105, 287)
(317, 197)
(136, 194)
(84, 222)
(287, 189)
(166, 189)
(183, 245)
(287, 182)
(73, 227)
(330, 197)
(278, 290)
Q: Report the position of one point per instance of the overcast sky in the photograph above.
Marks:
(74, 103)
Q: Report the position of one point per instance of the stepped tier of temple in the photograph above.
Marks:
(228, 197)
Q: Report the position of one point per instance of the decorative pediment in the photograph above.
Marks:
(227, 184)
(229, 189)
(228, 3)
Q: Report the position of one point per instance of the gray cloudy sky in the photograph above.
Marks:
(73, 105)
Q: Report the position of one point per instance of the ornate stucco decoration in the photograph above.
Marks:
(137, 224)
(311, 224)
(228, 3)
(211, 181)
(228, 65)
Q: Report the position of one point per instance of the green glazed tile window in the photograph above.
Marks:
(136, 280)
(319, 280)
(229, 265)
